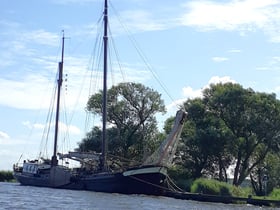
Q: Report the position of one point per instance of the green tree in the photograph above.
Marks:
(265, 176)
(233, 126)
(205, 137)
(92, 141)
(253, 119)
(131, 115)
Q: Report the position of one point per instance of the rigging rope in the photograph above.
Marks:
(116, 53)
(141, 54)
(170, 187)
(171, 183)
(45, 136)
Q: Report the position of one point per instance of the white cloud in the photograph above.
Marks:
(29, 125)
(24, 94)
(26, 47)
(33, 89)
(71, 129)
(263, 68)
(41, 37)
(272, 64)
(276, 90)
(18, 39)
(219, 59)
(4, 135)
(234, 51)
(8, 23)
(38, 126)
(217, 79)
(190, 93)
(64, 2)
(140, 20)
(228, 16)
(243, 16)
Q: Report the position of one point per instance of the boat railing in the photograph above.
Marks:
(18, 167)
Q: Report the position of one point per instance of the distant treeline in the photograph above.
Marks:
(6, 176)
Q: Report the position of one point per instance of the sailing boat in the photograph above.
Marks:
(148, 178)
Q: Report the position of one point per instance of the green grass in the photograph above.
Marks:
(275, 194)
(214, 187)
(210, 187)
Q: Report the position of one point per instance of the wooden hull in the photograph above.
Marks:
(145, 180)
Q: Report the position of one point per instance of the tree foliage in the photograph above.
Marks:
(131, 116)
(205, 137)
(231, 125)
(265, 176)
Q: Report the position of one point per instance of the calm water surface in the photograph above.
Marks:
(15, 196)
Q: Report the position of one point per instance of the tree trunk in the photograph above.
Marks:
(236, 170)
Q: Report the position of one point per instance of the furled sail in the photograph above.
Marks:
(165, 153)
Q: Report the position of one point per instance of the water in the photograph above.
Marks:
(15, 196)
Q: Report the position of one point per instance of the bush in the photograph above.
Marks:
(211, 187)
(275, 194)
(214, 187)
(241, 191)
(6, 176)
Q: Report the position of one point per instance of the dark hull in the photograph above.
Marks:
(32, 180)
(148, 180)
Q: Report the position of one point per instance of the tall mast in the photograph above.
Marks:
(59, 84)
(104, 105)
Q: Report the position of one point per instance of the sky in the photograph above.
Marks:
(187, 44)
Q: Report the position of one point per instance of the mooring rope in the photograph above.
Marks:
(169, 180)
(171, 185)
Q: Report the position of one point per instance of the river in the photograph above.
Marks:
(16, 196)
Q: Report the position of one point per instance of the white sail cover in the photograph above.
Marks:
(164, 154)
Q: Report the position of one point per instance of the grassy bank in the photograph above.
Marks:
(6, 176)
(214, 187)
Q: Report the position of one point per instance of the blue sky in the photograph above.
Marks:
(188, 44)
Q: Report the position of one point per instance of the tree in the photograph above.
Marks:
(131, 114)
(265, 176)
(205, 137)
(253, 119)
(91, 142)
(230, 126)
